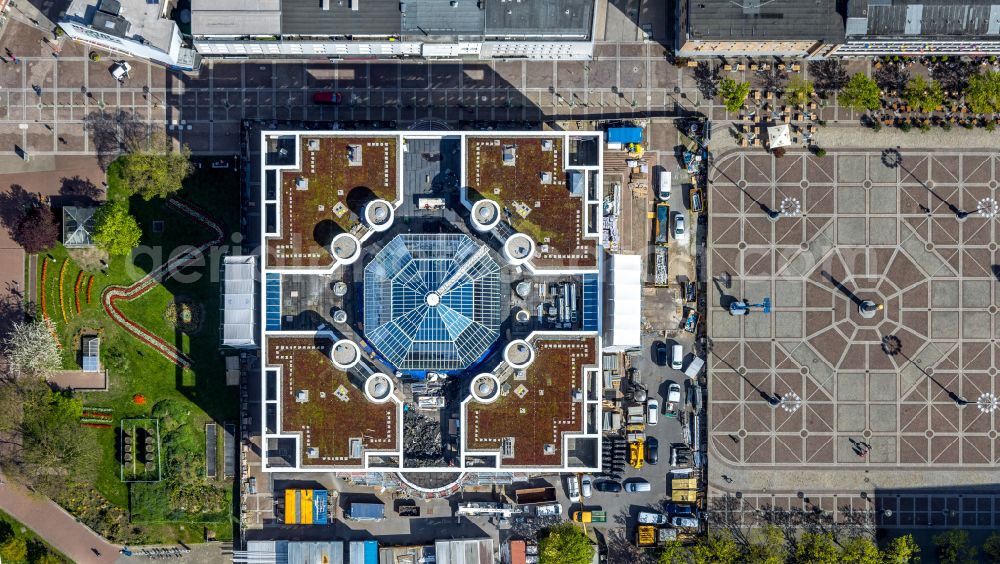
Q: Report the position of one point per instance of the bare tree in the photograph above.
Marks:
(732, 514)
(772, 79)
(856, 523)
(115, 133)
(953, 73)
(891, 77)
(706, 77)
(622, 549)
(828, 75)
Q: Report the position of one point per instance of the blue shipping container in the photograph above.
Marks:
(367, 511)
(320, 507)
(625, 135)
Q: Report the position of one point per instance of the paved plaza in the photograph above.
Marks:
(45, 100)
(855, 226)
(865, 232)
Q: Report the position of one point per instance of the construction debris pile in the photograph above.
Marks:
(421, 440)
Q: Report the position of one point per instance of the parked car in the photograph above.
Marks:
(680, 231)
(609, 486)
(649, 518)
(660, 353)
(586, 481)
(652, 450)
(682, 509)
(573, 488)
(652, 409)
(327, 98)
(637, 486)
(684, 522)
(666, 178)
(673, 399)
(120, 70)
(677, 357)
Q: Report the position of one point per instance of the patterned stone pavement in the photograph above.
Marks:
(865, 232)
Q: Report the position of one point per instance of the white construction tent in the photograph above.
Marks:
(239, 283)
(779, 136)
(624, 326)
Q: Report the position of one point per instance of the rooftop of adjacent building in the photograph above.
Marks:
(762, 20)
(923, 18)
(137, 20)
(383, 18)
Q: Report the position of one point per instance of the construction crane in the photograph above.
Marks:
(744, 307)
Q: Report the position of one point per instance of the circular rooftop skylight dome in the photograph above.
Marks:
(485, 215)
(379, 215)
(432, 302)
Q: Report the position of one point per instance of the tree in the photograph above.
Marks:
(14, 549)
(829, 74)
(953, 547)
(115, 229)
(768, 546)
(565, 544)
(31, 350)
(817, 548)
(674, 552)
(923, 95)
(891, 77)
(706, 77)
(991, 547)
(37, 230)
(48, 558)
(861, 93)
(901, 550)
(733, 93)
(860, 550)
(50, 428)
(799, 91)
(983, 93)
(155, 169)
(716, 548)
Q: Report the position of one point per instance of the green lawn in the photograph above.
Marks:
(136, 368)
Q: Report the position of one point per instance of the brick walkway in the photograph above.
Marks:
(57, 527)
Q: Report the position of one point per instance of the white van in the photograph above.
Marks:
(637, 486)
(666, 177)
(677, 357)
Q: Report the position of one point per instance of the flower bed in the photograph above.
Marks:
(128, 293)
(76, 291)
(90, 284)
(45, 268)
(62, 294)
(99, 417)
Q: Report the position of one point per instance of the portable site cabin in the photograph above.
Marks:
(306, 507)
(366, 511)
(363, 552)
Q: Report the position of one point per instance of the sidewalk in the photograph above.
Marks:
(56, 526)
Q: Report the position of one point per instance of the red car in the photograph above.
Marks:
(326, 97)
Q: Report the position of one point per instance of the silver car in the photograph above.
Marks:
(684, 522)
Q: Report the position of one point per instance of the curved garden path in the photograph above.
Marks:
(113, 294)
